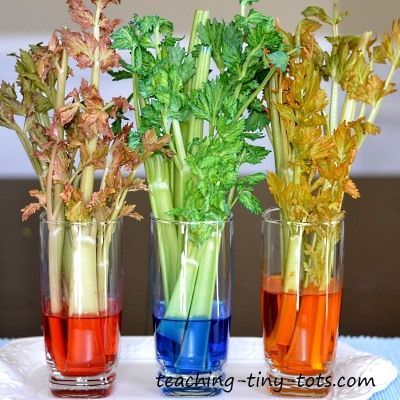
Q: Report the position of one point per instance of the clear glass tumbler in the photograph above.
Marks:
(191, 303)
(302, 280)
(81, 292)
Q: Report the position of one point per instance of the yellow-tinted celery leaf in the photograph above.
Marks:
(389, 49)
(319, 13)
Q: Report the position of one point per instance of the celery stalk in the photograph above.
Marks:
(192, 302)
(178, 307)
(203, 295)
(55, 246)
(293, 262)
(182, 295)
(83, 293)
(67, 261)
(157, 171)
(103, 263)
(193, 293)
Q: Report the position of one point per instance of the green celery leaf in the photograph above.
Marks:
(250, 202)
(231, 132)
(264, 35)
(279, 59)
(149, 23)
(134, 140)
(151, 116)
(254, 154)
(254, 18)
(231, 49)
(211, 34)
(256, 121)
(208, 101)
(120, 75)
(248, 2)
(116, 126)
(251, 180)
(125, 38)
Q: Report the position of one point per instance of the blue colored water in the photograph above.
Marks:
(191, 346)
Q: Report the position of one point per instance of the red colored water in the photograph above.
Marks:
(83, 345)
(300, 332)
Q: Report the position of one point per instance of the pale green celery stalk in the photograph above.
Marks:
(105, 231)
(347, 111)
(87, 181)
(83, 292)
(280, 147)
(136, 96)
(333, 123)
(55, 215)
(291, 280)
(363, 109)
(333, 109)
(243, 9)
(200, 18)
(67, 261)
(55, 252)
(167, 183)
(182, 173)
(203, 281)
(329, 256)
(181, 177)
(103, 248)
(280, 143)
(203, 67)
(203, 295)
(182, 295)
(194, 290)
(104, 239)
(157, 172)
(171, 166)
(194, 127)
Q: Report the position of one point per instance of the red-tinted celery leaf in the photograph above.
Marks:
(29, 210)
(80, 14)
(109, 59)
(80, 46)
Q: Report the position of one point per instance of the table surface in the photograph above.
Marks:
(388, 348)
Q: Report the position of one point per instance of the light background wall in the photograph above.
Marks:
(31, 21)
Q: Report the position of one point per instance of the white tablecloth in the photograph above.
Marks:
(23, 371)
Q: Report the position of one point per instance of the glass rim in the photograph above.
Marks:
(43, 220)
(191, 223)
(266, 216)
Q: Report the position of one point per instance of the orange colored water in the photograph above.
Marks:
(300, 331)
